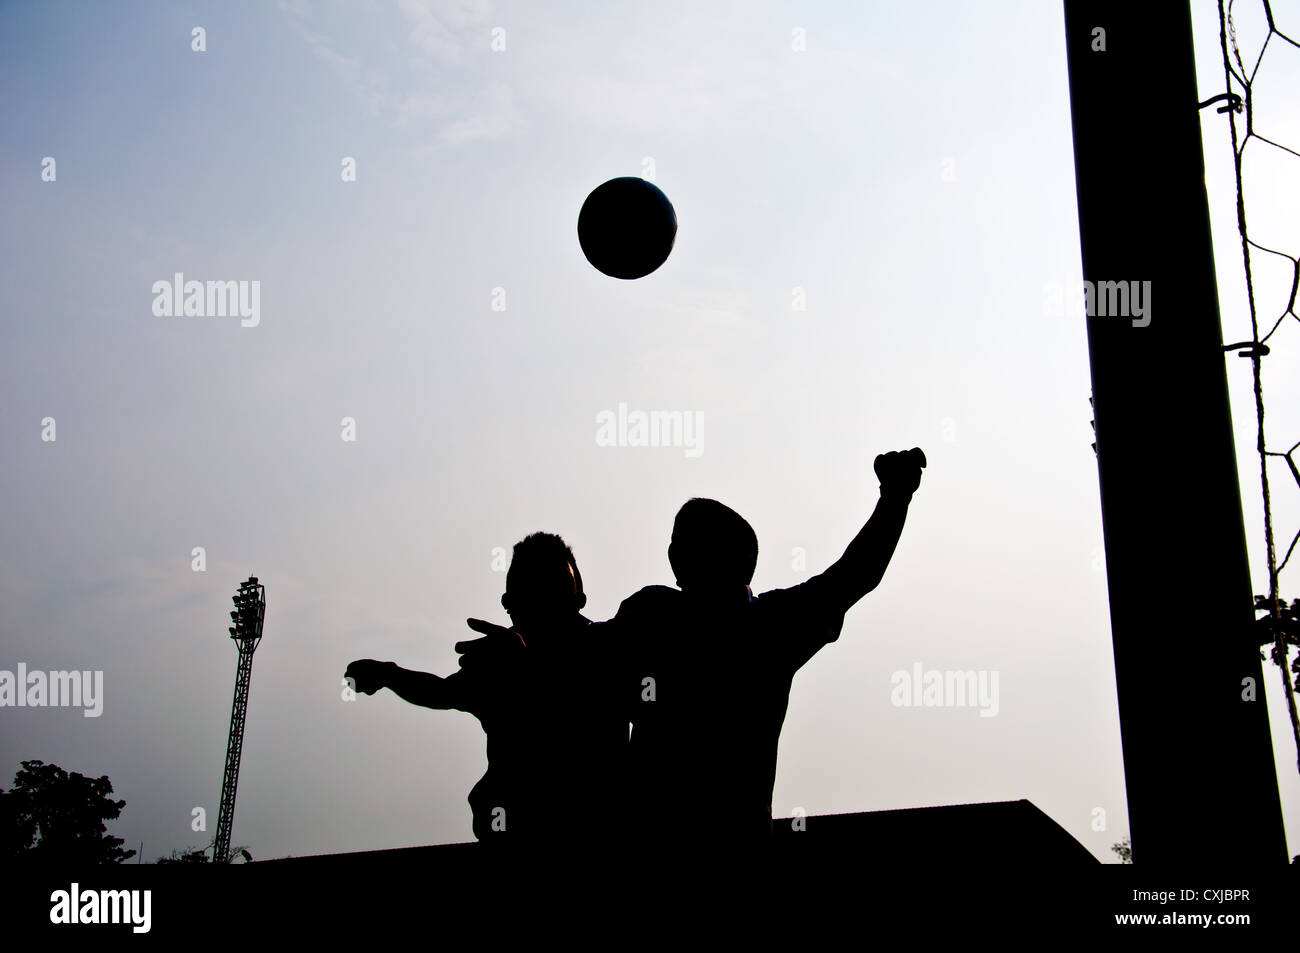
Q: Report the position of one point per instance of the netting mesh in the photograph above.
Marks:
(1279, 626)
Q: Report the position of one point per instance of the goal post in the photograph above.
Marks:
(1198, 754)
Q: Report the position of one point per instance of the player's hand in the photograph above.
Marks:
(367, 675)
(498, 644)
(495, 637)
(900, 471)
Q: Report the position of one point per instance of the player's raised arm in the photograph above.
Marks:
(863, 564)
(419, 688)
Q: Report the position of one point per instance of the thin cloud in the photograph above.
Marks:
(443, 36)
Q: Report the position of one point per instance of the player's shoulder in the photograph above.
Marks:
(772, 597)
(810, 594)
(588, 634)
(805, 615)
(649, 599)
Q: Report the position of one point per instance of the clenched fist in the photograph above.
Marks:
(367, 675)
(900, 471)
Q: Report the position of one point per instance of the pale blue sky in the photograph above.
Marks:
(821, 169)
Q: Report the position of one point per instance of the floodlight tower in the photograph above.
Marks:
(250, 610)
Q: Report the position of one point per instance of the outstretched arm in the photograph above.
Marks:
(863, 564)
(418, 688)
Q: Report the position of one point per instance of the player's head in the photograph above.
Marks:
(713, 547)
(543, 584)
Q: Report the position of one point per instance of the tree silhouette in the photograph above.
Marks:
(200, 855)
(191, 855)
(50, 816)
(1125, 851)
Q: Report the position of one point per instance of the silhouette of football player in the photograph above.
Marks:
(712, 663)
(556, 736)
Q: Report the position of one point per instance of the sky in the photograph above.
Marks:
(874, 201)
